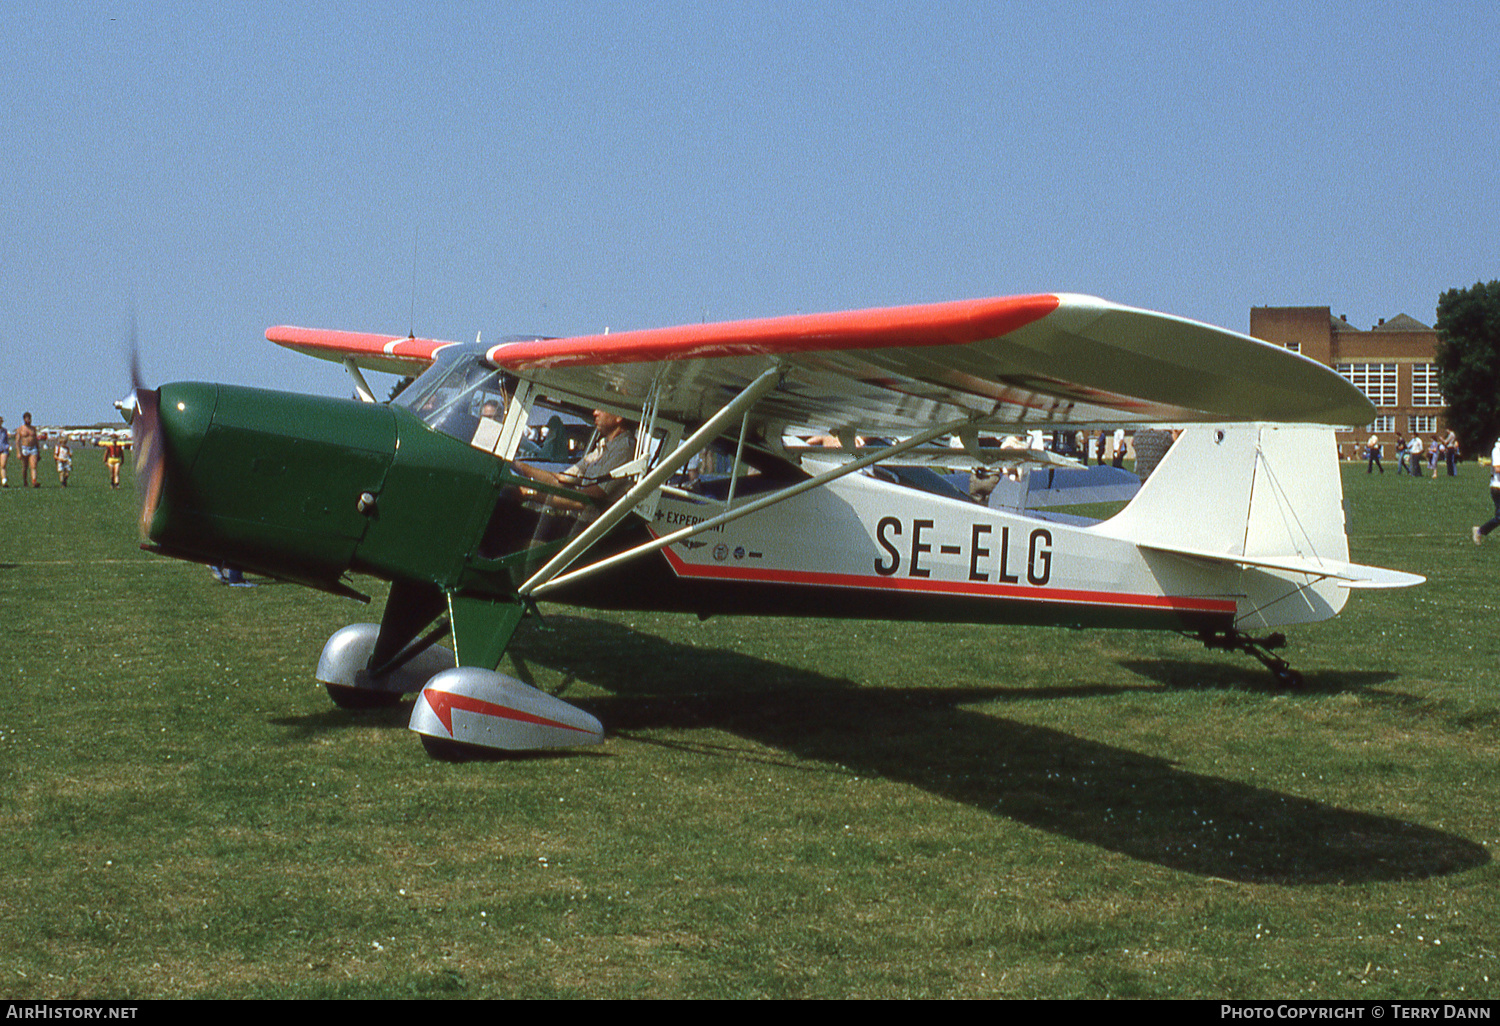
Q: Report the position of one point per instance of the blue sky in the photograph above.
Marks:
(214, 169)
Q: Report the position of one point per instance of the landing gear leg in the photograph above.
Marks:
(1260, 648)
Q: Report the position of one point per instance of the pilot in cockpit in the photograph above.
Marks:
(615, 446)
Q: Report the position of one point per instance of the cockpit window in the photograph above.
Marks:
(463, 396)
(457, 395)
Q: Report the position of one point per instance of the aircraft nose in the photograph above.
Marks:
(186, 410)
(269, 482)
(167, 428)
(128, 405)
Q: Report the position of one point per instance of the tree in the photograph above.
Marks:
(1468, 361)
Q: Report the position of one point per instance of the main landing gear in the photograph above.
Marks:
(1260, 648)
(460, 711)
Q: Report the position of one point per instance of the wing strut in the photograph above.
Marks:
(361, 389)
(535, 587)
(648, 484)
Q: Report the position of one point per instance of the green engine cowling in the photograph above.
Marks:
(306, 488)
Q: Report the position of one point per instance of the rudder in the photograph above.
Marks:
(1265, 497)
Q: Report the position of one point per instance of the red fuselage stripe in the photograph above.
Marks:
(931, 587)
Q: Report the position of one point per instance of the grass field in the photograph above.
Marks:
(783, 808)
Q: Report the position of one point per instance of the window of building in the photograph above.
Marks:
(1424, 385)
(1421, 424)
(1376, 380)
(1382, 425)
(1295, 347)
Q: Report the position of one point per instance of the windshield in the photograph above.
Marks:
(463, 396)
(455, 394)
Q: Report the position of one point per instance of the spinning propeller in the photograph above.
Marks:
(141, 410)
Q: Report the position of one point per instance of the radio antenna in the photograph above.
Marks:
(411, 324)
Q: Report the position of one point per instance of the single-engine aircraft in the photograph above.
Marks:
(1239, 530)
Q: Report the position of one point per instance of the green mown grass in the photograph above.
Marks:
(783, 808)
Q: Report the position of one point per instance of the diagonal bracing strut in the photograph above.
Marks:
(535, 587)
(648, 484)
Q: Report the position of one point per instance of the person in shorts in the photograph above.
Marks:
(114, 455)
(29, 444)
(62, 454)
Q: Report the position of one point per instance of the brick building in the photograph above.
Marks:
(1392, 363)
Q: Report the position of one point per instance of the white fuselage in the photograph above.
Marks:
(860, 543)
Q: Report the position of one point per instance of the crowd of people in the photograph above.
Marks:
(27, 443)
(1414, 456)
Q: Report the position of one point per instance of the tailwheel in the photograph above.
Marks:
(1288, 677)
(1260, 648)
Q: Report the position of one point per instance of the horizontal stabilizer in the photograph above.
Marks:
(1348, 575)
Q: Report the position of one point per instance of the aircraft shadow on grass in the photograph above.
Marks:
(1182, 675)
(1141, 806)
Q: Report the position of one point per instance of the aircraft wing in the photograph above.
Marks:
(1008, 363)
(389, 354)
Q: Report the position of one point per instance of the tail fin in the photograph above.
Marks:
(1262, 496)
(1244, 490)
